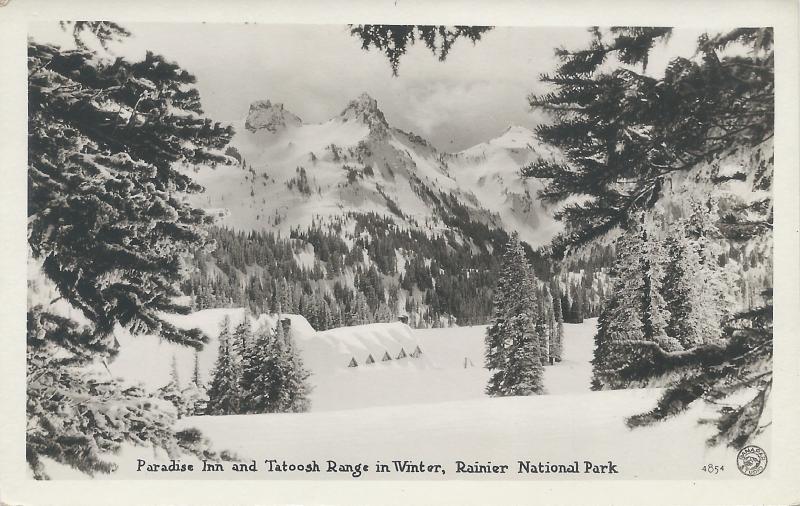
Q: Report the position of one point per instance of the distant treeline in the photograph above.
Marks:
(378, 272)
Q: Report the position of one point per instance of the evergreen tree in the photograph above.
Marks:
(173, 372)
(105, 206)
(196, 371)
(394, 40)
(274, 378)
(635, 313)
(255, 382)
(297, 384)
(242, 338)
(172, 392)
(540, 322)
(696, 288)
(523, 373)
(75, 416)
(557, 347)
(108, 224)
(735, 371)
(277, 367)
(224, 393)
(513, 340)
(383, 314)
(241, 343)
(496, 341)
(623, 132)
(546, 302)
(359, 312)
(275, 299)
(195, 395)
(576, 308)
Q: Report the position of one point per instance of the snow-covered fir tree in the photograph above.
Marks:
(523, 373)
(224, 393)
(241, 341)
(297, 383)
(242, 337)
(514, 340)
(544, 324)
(196, 379)
(635, 312)
(110, 412)
(108, 227)
(557, 345)
(256, 374)
(739, 366)
(384, 313)
(273, 379)
(683, 294)
(287, 387)
(698, 291)
(172, 392)
(360, 313)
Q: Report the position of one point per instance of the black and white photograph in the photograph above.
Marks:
(400, 252)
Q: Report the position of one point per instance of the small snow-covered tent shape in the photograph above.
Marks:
(402, 354)
(386, 357)
(353, 362)
(370, 360)
(416, 353)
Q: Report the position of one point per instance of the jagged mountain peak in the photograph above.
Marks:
(266, 115)
(357, 163)
(365, 109)
(363, 102)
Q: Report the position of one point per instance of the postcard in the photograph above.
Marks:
(272, 252)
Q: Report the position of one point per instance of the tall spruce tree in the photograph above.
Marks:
(224, 393)
(109, 228)
(513, 340)
(523, 372)
(696, 288)
(635, 313)
(297, 383)
(255, 381)
(196, 371)
(274, 379)
(557, 347)
(277, 365)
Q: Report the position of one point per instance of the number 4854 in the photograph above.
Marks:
(712, 468)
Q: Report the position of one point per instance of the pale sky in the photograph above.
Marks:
(314, 70)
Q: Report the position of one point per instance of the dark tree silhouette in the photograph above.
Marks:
(622, 132)
(394, 40)
(108, 225)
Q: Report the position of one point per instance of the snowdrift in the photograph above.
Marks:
(328, 355)
(389, 345)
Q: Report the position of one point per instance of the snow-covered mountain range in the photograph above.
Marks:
(292, 174)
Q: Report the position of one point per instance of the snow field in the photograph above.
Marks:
(432, 409)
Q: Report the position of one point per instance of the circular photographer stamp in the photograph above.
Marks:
(751, 460)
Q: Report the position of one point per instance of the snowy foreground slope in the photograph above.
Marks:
(434, 409)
